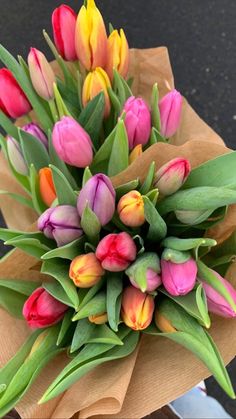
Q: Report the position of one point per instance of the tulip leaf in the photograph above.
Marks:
(91, 117)
(19, 286)
(39, 205)
(121, 88)
(197, 199)
(91, 356)
(86, 176)
(60, 271)
(113, 303)
(12, 301)
(83, 331)
(176, 243)
(66, 325)
(155, 113)
(114, 101)
(103, 334)
(156, 137)
(101, 158)
(158, 228)
(18, 198)
(34, 151)
(32, 244)
(119, 158)
(86, 294)
(96, 305)
(206, 275)
(6, 234)
(126, 187)
(176, 256)
(55, 289)
(8, 126)
(68, 251)
(228, 247)
(147, 184)
(64, 191)
(90, 225)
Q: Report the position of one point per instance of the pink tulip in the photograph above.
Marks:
(147, 265)
(63, 23)
(72, 143)
(41, 73)
(36, 131)
(116, 252)
(42, 310)
(216, 303)
(13, 101)
(170, 112)
(137, 121)
(16, 157)
(170, 177)
(178, 278)
(99, 194)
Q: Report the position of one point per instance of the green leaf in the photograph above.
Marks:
(65, 193)
(155, 113)
(34, 244)
(68, 251)
(156, 137)
(34, 151)
(12, 302)
(121, 88)
(199, 198)
(90, 225)
(8, 126)
(56, 290)
(38, 203)
(119, 158)
(96, 305)
(113, 301)
(158, 228)
(60, 271)
(187, 244)
(103, 334)
(86, 294)
(19, 198)
(91, 117)
(84, 330)
(6, 234)
(114, 101)
(126, 187)
(101, 158)
(86, 176)
(175, 256)
(22, 287)
(147, 184)
(65, 327)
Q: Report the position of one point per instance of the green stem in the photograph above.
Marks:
(53, 110)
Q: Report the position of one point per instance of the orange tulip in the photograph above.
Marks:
(97, 81)
(135, 153)
(118, 54)
(98, 318)
(131, 209)
(163, 324)
(136, 308)
(46, 186)
(86, 270)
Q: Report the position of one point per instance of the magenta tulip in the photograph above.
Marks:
(41, 74)
(170, 107)
(13, 101)
(178, 278)
(36, 131)
(63, 23)
(61, 223)
(170, 177)
(42, 310)
(137, 121)
(216, 303)
(72, 143)
(99, 194)
(16, 157)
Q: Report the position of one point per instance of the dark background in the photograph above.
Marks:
(201, 38)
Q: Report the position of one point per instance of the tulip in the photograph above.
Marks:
(97, 81)
(118, 54)
(42, 310)
(178, 278)
(13, 101)
(99, 194)
(91, 37)
(61, 223)
(143, 273)
(135, 153)
(137, 121)
(16, 157)
(41, 73)
(98, 318)
(170, 177)
(170, 107)
(63, 23)
(116, 252)
(163, 324)
(136, 308)
(46, 186)
(72, 143)
(216, 302)
(86, 270)
(36, 131)
(131, 209)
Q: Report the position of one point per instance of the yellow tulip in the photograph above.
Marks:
(98, 318)
(135, 153)
(86, 270)
(131, 209)
(97, 81)
(118, 54)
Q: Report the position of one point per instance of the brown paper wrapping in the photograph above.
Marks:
(159, 370)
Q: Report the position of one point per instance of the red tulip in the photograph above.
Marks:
(13, 101)
(63, 23)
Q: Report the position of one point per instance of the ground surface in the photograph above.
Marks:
(201, 38)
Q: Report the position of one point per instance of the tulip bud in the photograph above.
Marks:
(143, 273)
(99, 194)
(131, 209)
(36, 131)
(86, 270)
(116, 252)
(91, 37)
(135, 153)
(170, 177)
(72, 143)
(137, 121)
(170, 107)
(13, 101)
(98, 318)
(63, 23)
(41, 73)
(178, 278)
(97, 81)
(136, 308)
(216, 302)
(42, 310)
(118, 54)
(61, 223)
(163, 324)
(46, 186)
(16, 157)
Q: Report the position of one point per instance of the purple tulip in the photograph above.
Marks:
(61, 223)
(147, 264)
(72, 143)
(178, 278)
(99, 194)
(216, 303)
(16, 157)
(170, 107)
(36, 131)
(137, 121)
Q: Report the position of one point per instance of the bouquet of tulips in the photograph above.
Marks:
(122, 256)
